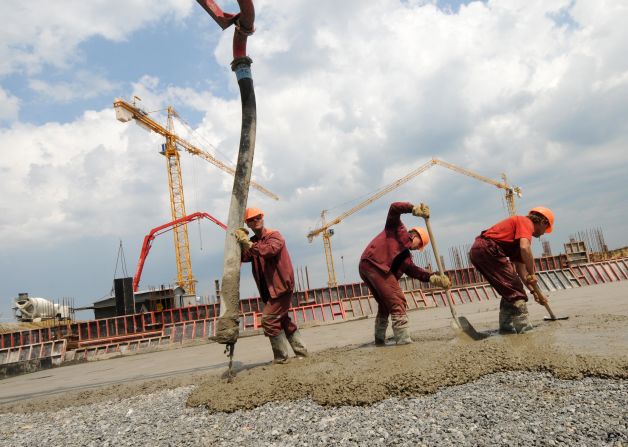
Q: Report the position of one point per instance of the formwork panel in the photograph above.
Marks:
(338, 310)
(614, 267)
(608, 269)
(351, 309)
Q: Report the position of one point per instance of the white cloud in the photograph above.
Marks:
(37, 33)
(9, 106)
(82, 85)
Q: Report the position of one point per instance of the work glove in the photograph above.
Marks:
(440, 280)
(242, 236)
(531, 281)
(421, 210)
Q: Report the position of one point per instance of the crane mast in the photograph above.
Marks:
(326, 232)
(329, 258)
(185, 278)
(170, 150)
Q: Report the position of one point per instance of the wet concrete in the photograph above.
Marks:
(593, 345)
(346, 368)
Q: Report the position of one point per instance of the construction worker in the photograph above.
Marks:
(274, 276)
(503, 254)
(385, 259)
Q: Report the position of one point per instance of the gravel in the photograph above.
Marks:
(509, 409)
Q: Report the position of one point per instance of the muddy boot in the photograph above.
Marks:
(279, 344)
(520, 320)
(297, 344)
(402, 335)
(506, 311)
(381, 324)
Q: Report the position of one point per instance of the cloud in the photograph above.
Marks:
(40, 33)
(83, 85)
(9, 106)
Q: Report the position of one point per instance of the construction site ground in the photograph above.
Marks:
(345, 370)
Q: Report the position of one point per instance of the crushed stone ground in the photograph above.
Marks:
(503, 409)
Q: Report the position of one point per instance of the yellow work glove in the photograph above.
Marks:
(441, 281)
(421, 210)
(531, 280)
(242, 236)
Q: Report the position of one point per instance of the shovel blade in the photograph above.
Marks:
(555, 318)
(468, 329)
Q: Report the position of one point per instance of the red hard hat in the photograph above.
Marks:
(425, 237)
(252, 212)
(547, 213)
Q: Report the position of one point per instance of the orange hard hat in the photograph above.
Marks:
(547, 213)
(252, 212)
(425, 237)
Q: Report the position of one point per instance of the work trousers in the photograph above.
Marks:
(387, 292)
(275, 316)
(491, 261)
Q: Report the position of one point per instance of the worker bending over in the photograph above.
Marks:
(385, 259)
(503, 254)
(274, 276)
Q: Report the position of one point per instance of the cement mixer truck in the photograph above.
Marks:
(27, 308)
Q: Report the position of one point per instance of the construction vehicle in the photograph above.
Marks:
(148, 239)
(26, 308)
(327, 232)
(126, 112)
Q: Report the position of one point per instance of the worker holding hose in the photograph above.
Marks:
(503, 255)
(385, 259)
(274, 276)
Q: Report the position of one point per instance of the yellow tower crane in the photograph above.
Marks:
(126, 112)
(327, 232)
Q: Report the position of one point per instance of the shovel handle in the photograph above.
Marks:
(537, 292)
(441, 270)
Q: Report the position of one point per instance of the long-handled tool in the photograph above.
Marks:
(543, 299)
(461, 322)
(227, 326)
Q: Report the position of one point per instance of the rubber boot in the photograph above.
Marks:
(381, 324)
(279, 344)
(520, 320)
(296, 342)
(506, 312)
(402, 335)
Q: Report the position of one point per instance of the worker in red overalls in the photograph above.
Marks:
(385, 259)
(274, 276)
(503, 255)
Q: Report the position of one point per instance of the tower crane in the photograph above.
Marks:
(327, 232)
(126, 112)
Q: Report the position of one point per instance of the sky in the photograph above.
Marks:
(351, 96)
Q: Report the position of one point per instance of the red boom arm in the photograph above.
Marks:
(148, 239)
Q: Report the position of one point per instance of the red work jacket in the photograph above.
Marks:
(272, 267)
(392, 242)
(507, 233)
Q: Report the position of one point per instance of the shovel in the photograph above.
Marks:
(461, 322)
(540, 297)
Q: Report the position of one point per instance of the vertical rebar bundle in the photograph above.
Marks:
(593, 239)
